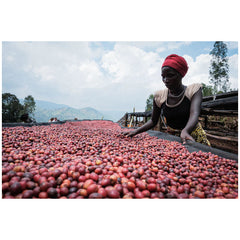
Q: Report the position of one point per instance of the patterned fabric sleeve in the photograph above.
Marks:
(160, 97)
(192, 89)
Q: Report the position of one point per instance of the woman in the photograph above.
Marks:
(181, 105)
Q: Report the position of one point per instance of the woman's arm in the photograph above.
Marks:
(150, 124)
(195, 110)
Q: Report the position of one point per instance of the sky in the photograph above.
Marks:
(104, 75)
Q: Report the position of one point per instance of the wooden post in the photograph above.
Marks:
(126, 119)
(131, 120)
(160, 124)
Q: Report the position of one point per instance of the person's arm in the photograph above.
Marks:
(150, 124)
(195, 110)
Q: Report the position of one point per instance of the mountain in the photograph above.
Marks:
(46, 110)
(46, 105)
(49, 105)
(66, 113)
(113, 115)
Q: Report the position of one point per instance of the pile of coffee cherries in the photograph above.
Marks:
(93, 159)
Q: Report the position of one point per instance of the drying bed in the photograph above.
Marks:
(93, 159)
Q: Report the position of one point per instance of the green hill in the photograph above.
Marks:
(46, 110)
(43, 115)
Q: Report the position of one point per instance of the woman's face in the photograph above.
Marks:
(171, 78)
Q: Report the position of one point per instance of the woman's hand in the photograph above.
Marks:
(186, 136)
(130, 134)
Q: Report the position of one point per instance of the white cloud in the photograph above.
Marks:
(156, 46)
(233, 64)
(61, 67)
(124, 61)
(134, 72)
(176, 45)
(10, 58)
(44, 73)
(198, 71)
(160, 49)
(80, 75)
(128, 62)
(91, 75)
(233, 71)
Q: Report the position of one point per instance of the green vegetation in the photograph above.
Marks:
(14, 111)
(207, 90)
(29, 105)
(219, 69)
(149, 103)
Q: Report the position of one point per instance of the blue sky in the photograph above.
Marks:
(104, 75)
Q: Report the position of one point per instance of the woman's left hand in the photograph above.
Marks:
(186, 136)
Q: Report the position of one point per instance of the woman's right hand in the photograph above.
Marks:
(186, 136)
(130, 133)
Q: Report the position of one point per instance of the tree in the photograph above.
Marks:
(149, 103)
(11, 108)
(207, 90)
(14, 111)
(219, 69)
(29, 105)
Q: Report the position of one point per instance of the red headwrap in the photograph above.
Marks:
(176, 62)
